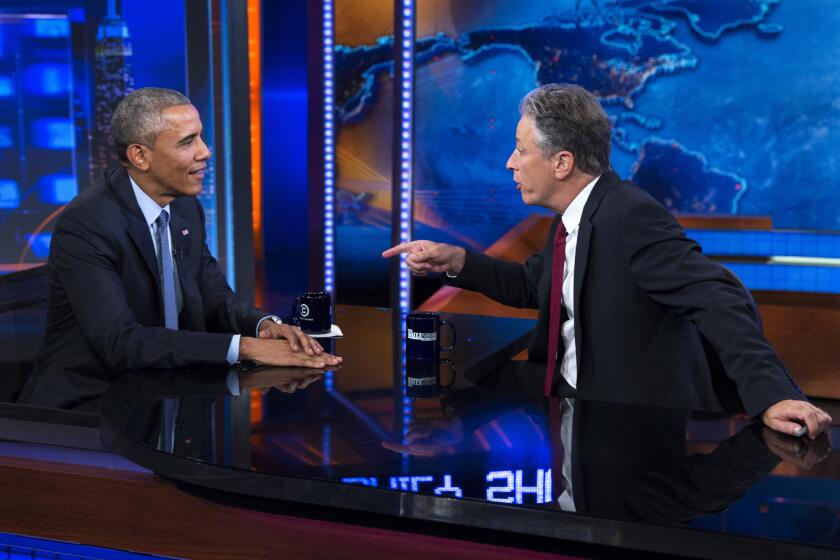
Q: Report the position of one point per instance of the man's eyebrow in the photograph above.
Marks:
(187, 139)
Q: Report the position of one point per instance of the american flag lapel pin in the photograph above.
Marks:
(185, 232)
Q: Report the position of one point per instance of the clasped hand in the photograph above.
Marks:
(285, 345)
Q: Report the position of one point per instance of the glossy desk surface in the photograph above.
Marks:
(638, 477)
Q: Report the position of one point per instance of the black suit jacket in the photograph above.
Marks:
(643, 296)
(105, 311)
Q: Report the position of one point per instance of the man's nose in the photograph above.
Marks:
(204, 151)
(509, 164)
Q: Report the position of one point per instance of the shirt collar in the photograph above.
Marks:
(571, 217)
(151, 210)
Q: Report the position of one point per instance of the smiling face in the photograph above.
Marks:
(175, 166)
(533, 173)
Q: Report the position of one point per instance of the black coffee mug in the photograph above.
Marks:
(422, 377)
(423, 335)
(313, 312)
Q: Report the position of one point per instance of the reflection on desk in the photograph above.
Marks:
(630, 473)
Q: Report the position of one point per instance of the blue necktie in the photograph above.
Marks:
(167, 278)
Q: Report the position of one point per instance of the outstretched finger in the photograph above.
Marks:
(397, 249)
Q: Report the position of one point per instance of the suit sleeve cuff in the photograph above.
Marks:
(233, 350)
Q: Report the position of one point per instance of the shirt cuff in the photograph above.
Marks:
(233, 350)
(451, 275)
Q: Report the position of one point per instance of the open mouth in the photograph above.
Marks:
(198, 172)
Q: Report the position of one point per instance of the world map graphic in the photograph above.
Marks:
(697, 91)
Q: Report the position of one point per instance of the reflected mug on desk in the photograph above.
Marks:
(423, 379)
(423, 335)
(312, 312)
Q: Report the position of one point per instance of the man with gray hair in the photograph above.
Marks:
(132, 283)
(626, 302)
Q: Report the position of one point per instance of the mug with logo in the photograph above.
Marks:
(423, 379)
(423, 335)
(312, 312)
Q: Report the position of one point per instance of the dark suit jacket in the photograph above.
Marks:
(105, 313)
(643, 295)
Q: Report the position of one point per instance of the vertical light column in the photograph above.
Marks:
(255, 104)
(401, 194)
(328, 19)
(405, 43)
(329, 148)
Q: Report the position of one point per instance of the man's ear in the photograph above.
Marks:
(138, 156)
(564, 164)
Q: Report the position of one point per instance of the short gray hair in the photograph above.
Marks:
(567, 117)
(138, 118)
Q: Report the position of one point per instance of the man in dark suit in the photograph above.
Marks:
(623, 296)
(131, 281)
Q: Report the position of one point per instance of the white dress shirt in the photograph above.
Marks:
(151, 211)
(571, 220)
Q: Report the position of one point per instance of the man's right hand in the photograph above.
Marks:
(278, 352)
(428, 256)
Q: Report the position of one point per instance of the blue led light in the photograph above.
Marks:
(54, 134)
(50, 27)
(41, 245)
(7, 88)
(6, 139)
(48, 79)
(9, 194)
(58, 188)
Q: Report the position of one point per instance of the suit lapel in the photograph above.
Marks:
(181, 243)
(181, 233)
(138, 229)
(584, 237)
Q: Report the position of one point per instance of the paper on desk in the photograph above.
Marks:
(334, 331)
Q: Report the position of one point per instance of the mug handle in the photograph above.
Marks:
(451, 364)
(296, 311)
(454, 336)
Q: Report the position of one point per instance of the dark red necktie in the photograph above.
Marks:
(556, 304)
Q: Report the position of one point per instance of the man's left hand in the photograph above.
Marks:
(787, 417)
(298, 340)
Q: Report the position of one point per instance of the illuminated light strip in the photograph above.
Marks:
(255, 87)
(329, 147)
(805, 261)
(405, 42)
(227, 153)
(328, 19)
